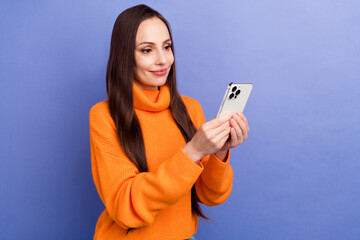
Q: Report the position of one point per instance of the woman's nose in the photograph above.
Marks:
(160, 58)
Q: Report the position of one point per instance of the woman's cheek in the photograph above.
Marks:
(170, 58)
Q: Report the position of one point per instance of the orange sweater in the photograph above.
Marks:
(157, 204)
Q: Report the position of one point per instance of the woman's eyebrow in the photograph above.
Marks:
(151, 43)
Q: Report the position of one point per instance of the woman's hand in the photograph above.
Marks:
(210, 138)
(239, 133)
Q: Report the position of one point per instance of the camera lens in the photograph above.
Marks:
(231, 96)
(234, 89)
(238, 92)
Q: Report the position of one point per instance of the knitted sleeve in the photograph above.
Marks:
(214, 185)
(134, 199)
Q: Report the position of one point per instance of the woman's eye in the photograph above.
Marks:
(146, 50)
(168, 47)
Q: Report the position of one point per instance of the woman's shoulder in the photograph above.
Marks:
(100, 107)
(100, 112)
(194, 109)
(191, 103)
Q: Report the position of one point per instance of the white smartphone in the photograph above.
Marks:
(235, 98)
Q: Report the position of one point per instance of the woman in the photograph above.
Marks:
(153, 156)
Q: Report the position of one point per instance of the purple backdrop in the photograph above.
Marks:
(296, 177)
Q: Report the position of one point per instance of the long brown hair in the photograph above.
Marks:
(119, 87)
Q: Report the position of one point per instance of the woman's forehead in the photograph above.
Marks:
(152, 30)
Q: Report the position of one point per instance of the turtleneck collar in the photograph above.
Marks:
(142, 102)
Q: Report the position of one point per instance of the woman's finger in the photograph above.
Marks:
(222, 136)
(242, 116)
(235, 138)
(242, 125)
(216, 122)
(235, 125)
(213, 132)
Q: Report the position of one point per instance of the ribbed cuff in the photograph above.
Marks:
(216, 169)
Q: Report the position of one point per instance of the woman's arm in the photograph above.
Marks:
(215, 183)
(134, 199)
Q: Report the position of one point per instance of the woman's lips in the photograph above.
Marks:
(160, 72)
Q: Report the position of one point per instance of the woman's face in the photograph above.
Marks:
(153, 54)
